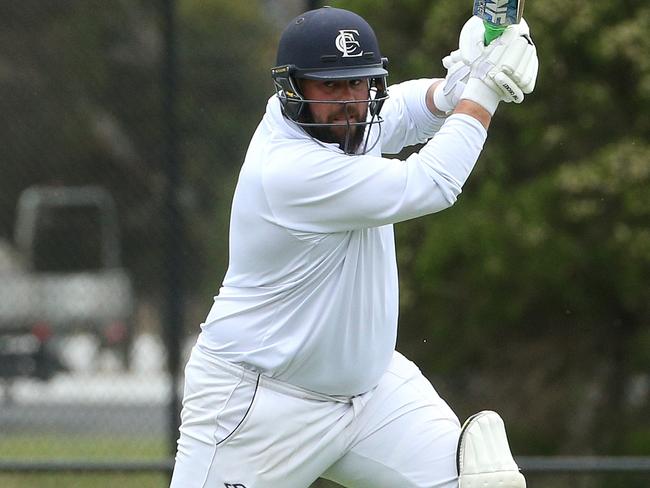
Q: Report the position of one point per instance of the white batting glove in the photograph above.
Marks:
(470, 48)
(458, 63)
(447, 94)
(470, 42)
(505, 70)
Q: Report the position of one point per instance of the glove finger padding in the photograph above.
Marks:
(519, 61)
(510, 66)
(526, 72)
(510, 92)
(513, 57)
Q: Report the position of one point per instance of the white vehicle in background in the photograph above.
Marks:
(62, 276)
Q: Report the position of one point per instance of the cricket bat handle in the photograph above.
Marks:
(492, 31)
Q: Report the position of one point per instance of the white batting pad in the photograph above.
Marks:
(484, 457)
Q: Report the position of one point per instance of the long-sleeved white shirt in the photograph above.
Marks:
(311, 292)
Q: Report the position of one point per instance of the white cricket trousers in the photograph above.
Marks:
(244, 430)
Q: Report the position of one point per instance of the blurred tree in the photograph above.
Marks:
(82, 103)
(227, 50)
(83, 106)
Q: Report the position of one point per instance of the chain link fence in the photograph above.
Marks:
(88, 208)
(123, 127)
(122, 131)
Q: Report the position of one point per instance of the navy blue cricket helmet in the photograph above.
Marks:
(328, 44)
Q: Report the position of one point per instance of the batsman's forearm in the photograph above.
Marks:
(452, 154)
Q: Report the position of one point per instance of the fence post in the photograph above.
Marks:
(174, 231)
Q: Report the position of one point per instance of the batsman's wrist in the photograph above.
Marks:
(477, 91)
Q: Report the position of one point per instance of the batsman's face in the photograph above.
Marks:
(338, 113)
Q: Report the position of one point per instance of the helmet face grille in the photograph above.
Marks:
(296, 108)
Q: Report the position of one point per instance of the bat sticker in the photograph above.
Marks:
(499, 12)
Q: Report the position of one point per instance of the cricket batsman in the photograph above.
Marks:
(294, 375)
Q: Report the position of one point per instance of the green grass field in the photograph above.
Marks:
(56, 480)
(53, 447)
(82, 448)
(92, 449)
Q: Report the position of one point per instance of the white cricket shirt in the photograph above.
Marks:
(311, 292)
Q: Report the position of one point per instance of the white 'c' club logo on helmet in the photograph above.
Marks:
(347, 43)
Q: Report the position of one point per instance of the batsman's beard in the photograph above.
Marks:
(339, 129)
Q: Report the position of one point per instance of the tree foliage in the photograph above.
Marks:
(83, 104)
(533, 292)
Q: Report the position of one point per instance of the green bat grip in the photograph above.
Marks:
(492, 31)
